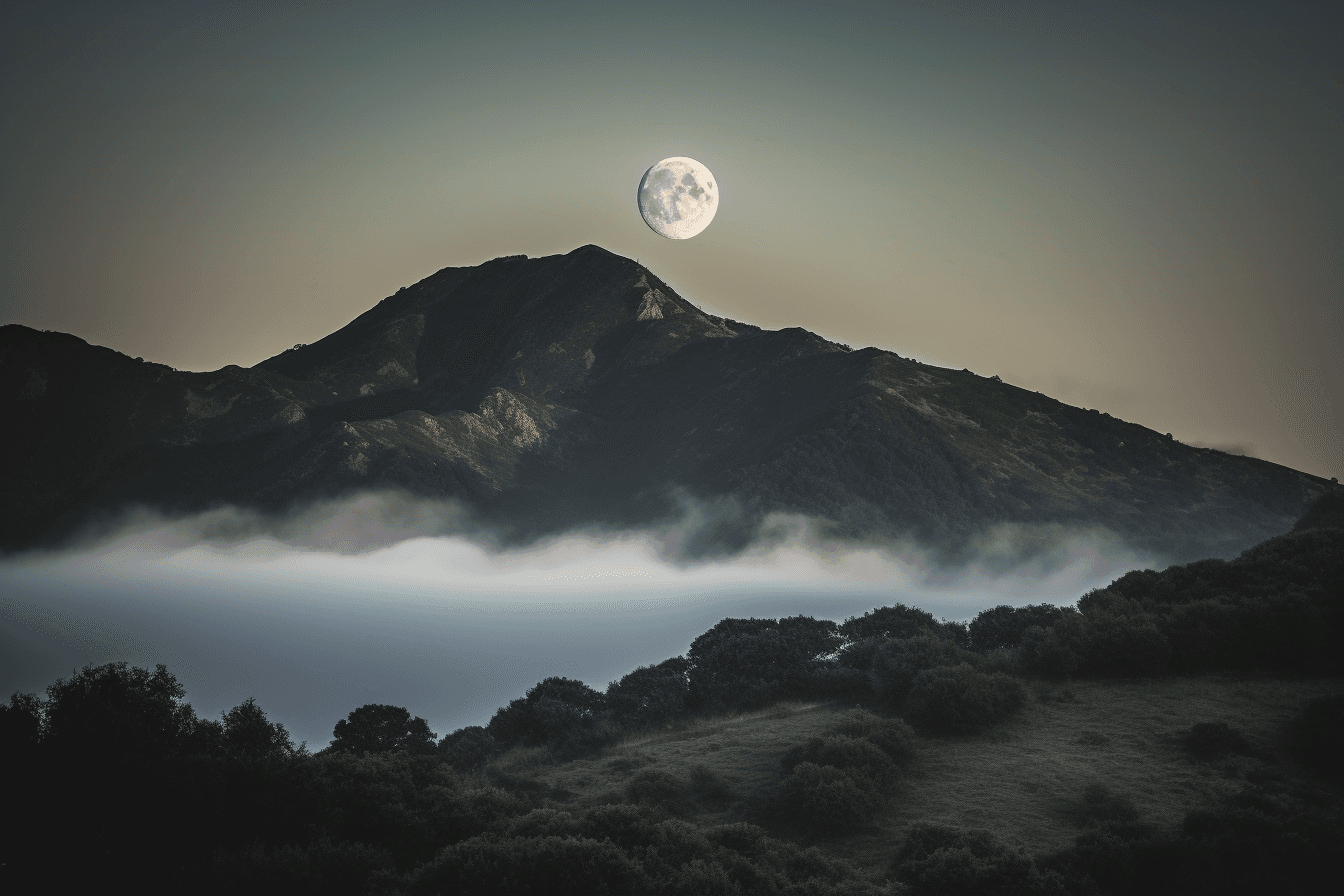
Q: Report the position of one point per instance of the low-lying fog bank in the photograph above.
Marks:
(380, 600)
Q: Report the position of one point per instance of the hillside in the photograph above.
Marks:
(1177, 732)
(561, 391)
(1022, 781)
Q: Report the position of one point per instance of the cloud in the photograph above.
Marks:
(382, 598)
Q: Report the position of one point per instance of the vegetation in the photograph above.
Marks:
(1035, 750)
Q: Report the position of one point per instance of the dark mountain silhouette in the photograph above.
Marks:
(580, 389)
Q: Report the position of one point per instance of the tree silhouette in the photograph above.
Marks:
(379, 728)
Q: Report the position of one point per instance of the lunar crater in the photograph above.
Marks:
(677, 198)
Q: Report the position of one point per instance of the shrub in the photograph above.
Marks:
(1058, 651)
(1003, 627)
(892, 736)
(556, 711)
(862, 760)
(897, 663)
(558, 865)
(1120, 859)
(889, 623)
(709, 784)
(940, 861)
(834, 681)
(467, 748)
(960, 700)
(747, 663)
(826, 800)
(859, 654)
(650, 695)
(653, 787)
(1126, 645)
(1209, 740)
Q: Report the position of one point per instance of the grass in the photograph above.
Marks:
(1026, 780)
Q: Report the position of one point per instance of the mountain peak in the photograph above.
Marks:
(581, 388)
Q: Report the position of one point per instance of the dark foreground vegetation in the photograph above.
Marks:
(112, 779)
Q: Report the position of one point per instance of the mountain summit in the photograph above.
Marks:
(580, 389)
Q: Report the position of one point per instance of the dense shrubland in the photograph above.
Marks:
(111, 776)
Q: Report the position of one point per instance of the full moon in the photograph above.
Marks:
(678, 198)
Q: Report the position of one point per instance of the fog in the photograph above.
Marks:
(383, 599)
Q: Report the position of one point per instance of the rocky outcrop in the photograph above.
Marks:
(580, 388)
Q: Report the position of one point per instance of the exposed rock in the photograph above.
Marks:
(580, 388)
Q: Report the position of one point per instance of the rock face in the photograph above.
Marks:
(577, 389)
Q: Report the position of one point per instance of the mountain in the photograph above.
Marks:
(580, 389)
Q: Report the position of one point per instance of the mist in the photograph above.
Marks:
(381, 598)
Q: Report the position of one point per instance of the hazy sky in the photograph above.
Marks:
(1132, 207)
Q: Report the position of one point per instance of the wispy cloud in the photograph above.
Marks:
(381, 598)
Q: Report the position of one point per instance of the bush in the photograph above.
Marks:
(859, 654)
(710, 785)
(555, 711)
(748, 663)
(960, 700)
(825, 800)
(892, 736)
(1002, 627)
(1209, 740)
(1121, 859)
(652, 787)
(467, 748)
(1058, 651)
(889, 623)
(941, 861)
(650, 695)
(862, 760)
(558, 865)
(897, 663)
(834, 681)
(1126, 645)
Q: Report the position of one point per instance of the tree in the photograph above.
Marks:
(554, 710)
(650, 695)
(379, 728)
(1003, 626)
(750, 662)
(20, 728)
(467, 748)
(249, 736)
(897, 621)
(960, 700)
(895, 664)
(116, 713)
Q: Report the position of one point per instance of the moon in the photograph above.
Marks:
(678, 198)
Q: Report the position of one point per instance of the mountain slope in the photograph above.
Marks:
(580, 388)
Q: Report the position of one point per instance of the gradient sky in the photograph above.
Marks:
(1132, 207)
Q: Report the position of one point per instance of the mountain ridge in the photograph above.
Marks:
(581, 389)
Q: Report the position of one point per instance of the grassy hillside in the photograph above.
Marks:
(1023, 780)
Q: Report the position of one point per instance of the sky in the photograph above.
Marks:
(1134, 207)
